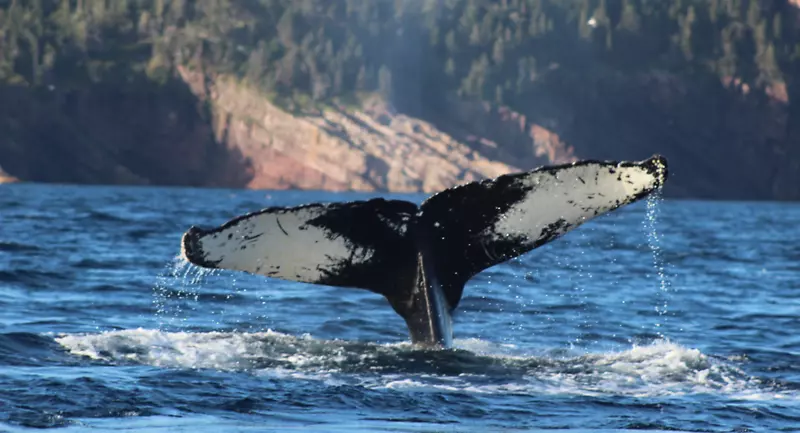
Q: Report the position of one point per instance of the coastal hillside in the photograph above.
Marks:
(401, 95)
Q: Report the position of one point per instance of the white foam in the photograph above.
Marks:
(660, 369)
(215, 350)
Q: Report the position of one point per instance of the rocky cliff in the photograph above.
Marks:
(335, 147)
(6, 178)
(724, 141)
(213, 130)
(141, 134)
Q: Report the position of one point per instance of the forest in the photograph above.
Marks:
(414, 52)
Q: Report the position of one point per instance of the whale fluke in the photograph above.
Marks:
(356, 244)
(420, 257)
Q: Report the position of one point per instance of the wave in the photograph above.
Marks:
(25, 348)
(475, 366)
(31, 277)
(15, 247)
(95, 215)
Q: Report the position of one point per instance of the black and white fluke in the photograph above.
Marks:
(420, 257)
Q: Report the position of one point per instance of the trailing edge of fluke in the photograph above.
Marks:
(420, 257)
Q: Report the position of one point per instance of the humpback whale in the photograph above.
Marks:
(420, 257)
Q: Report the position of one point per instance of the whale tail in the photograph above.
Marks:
(420, 257)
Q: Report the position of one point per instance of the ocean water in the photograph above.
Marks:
(663, 316)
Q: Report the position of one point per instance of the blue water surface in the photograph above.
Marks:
(665, 315)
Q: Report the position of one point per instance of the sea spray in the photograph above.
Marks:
(655, 245)
(180, 297)
(162, 289)
(175, 291)
(580, 276)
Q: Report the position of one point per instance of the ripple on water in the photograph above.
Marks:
(15, 247)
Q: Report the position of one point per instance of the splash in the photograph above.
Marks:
(654, 242)
(579, 295)
(476, 366)
(175, 291)
(185, 295)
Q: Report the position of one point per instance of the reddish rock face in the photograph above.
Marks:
(336, 148)
(6, 178)
(276, 170)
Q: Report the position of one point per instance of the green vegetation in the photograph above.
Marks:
(415, 52)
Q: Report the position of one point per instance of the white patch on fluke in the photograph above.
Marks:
(281, 244)
(574, 194)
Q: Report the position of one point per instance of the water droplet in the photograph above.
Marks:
(654, 242)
